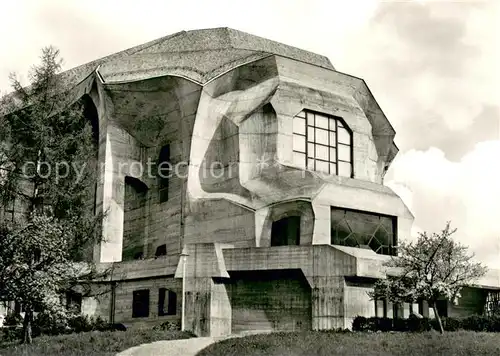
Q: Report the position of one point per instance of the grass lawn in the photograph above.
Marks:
(325, 343)
(90, 343)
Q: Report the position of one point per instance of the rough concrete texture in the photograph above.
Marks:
(224, 97)
(242, 116)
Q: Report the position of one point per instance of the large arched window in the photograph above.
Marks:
(322, 143)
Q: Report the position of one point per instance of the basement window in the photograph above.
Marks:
(140, 303)
(167, 302)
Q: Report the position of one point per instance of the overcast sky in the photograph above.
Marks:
(432, 66)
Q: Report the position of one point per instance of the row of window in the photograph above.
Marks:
(386, 309)
(167, 303)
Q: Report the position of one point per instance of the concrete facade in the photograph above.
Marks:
(276, 189)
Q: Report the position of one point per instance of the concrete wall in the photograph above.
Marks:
(472, 301)
(270, 300)
(357, 301)
(124, 297)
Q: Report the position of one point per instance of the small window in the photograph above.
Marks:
(286, 232)
(74, 302)
(164, 171)
(167, 302)
(140, 303)
(161, 251)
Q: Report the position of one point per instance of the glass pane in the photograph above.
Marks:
(333, 138)
(299, 125)
(322, 121)
(332, 124)
(310, 119)
(344, 169)
(310, 150)
(390, 309)
(322, 166)
(321, 136)
(299, 159)
(322, 152)
(344, 153)
(299, 143)
(310, 164)
(333, 154)
(333, 168)
(301, 114)
(310, 134)
(387, 224)
(344, 136)
(406, 310)
(380, 308)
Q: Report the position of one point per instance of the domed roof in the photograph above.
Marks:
(198, 55)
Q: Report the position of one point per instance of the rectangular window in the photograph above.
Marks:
(360, 229)
(140, 303)
(167, 302)
(322, 143)
(164, 172)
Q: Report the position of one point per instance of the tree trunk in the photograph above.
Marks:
(28, 318)
(441, 330)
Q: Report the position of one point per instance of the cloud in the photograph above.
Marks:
(432, 67)
(466, 192)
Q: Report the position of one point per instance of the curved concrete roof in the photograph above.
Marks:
(198, 55)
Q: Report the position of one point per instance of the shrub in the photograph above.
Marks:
(11, 333)
(168, 325)
(50, 324)
(13, 319)
(414, 324)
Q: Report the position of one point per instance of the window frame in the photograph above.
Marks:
(329, 130)
(165, 294)
(394, 219)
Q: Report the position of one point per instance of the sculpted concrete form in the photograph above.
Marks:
(252, 220)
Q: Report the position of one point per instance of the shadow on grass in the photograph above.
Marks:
(329, 343)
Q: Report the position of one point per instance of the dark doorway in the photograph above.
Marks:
(286, 231)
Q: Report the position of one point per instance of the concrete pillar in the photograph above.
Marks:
(208, 309)
(327, 299)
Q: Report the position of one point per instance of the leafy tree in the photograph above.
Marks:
(47, 175)
(433, 267)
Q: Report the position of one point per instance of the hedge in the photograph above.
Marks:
(44, 324)
(414, 324)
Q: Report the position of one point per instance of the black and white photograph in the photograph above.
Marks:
(259, 178)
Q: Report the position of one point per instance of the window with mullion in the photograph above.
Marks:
(322, 143)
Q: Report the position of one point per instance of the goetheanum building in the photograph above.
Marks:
(259, 163)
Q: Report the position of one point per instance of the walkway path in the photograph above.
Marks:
(186, 347)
